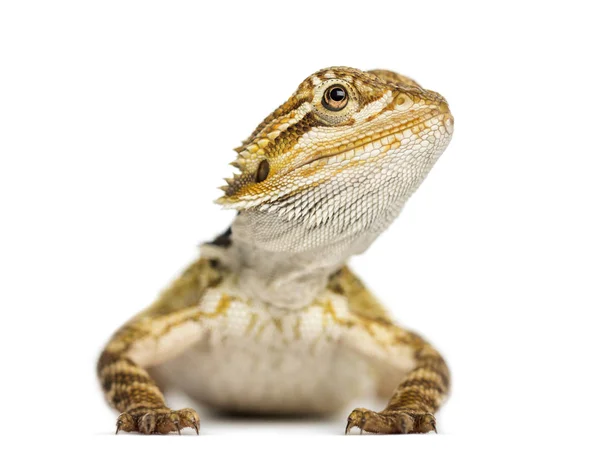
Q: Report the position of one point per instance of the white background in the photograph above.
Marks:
(118, 119)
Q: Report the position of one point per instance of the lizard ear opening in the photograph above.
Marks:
(243, 191)
(263, 171)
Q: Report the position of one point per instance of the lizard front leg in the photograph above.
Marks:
(164, 330)
(415, 400)
(398, 355)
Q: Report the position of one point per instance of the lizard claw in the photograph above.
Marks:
(401, 421)
(348, 427)
(355, 420)
(125, 423)
(189, 418)
(160, 420)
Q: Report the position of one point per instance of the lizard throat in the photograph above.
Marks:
(273, 269)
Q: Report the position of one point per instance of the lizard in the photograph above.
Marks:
(270, 319)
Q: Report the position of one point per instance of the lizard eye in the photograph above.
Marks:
(335, 98)
(263, 171)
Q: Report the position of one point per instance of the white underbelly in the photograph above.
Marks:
(256, 359)
(249, 377)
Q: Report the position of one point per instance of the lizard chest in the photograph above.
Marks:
(257, 359)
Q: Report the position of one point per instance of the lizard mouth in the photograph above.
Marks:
(418, 123)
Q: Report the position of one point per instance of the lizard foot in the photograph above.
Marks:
(157, 420)
(402, 421)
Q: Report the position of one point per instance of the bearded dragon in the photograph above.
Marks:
(269, 319)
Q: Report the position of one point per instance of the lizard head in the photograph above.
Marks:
(346, 149)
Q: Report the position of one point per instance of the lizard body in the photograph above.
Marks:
(269, 319)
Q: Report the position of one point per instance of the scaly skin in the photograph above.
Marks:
(269, 319)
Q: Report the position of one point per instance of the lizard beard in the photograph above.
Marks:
(286, 263)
